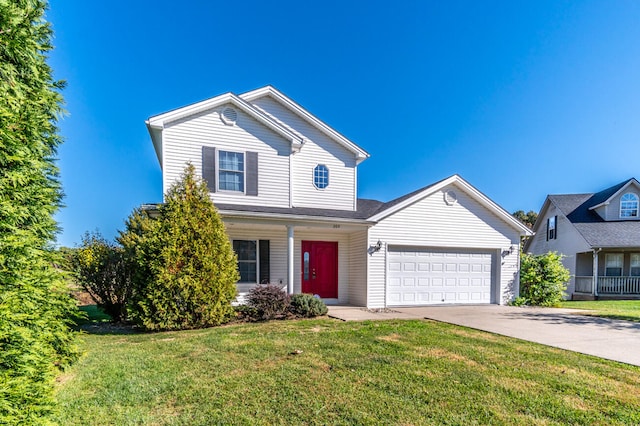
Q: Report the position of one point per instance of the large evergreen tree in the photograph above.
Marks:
(34, 305)
(190, 269)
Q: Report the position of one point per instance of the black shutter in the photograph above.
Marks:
(555, 230)
(264, 261)
(252, 173)
(209, 167)
(547, 229)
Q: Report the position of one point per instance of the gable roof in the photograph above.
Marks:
(400, 203)
(579, 210)
(157, 123)
(611, 193)
(294, 107)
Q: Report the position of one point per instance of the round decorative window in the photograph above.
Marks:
(229, 116)
(450, 198)
(321, 176)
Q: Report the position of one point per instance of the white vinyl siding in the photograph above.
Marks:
(318, 149)
(358, 268)
(183, 141)
(430, 222)
(568, 243)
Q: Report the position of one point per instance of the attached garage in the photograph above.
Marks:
(443, 244)
(426, 276)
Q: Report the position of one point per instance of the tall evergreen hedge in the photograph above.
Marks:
(187, 267)
(34, 305)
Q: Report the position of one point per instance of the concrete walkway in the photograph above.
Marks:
(561, 328)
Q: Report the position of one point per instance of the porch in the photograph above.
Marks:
(608, 286)
(611, 273)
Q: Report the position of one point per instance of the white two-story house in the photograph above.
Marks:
(285, 185)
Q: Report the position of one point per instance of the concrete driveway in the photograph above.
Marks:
(561, 328)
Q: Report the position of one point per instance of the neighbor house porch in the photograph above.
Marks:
(608, 273)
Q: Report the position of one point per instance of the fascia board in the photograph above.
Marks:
(290, 218)
(361, 154)
(618, 192)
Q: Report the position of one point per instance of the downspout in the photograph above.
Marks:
(595, 272)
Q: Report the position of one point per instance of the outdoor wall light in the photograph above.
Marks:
(374, 248)
(508, 251)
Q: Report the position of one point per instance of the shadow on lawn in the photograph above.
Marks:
(95, 321)
(613, 322)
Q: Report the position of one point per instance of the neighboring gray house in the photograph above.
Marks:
(285, 185)
(599, 235)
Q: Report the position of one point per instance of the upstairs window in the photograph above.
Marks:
(629, 205)
(321, 176)
(552, 228)
(613, 265)
(231, 171)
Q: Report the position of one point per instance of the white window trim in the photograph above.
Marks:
(637, 207)
(631, 265)
(257, 261)
(606, 260)
(313, 176)
(244, 172)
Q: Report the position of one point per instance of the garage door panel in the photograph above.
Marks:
(422, 277)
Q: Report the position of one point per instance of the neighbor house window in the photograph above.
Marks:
(321, 176)
(613, 264)
(629, 205)
(247, 253)
(634, 269)
(231, 171)
(552, 229)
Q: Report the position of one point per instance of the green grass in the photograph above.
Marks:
(617, 309)
(384, 372)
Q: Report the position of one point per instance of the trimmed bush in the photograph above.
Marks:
(101, 269)
(307, 306)
(269, 301)
(186, 270)
(543, 279)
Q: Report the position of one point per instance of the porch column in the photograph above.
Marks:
(595, 273)
(290, 259)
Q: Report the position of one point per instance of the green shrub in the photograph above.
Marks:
(269, 301)
(307, 306)
(35, 307)
(543, 279)
(186, 270)
(101, 269)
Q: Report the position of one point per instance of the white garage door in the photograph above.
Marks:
(423, 277)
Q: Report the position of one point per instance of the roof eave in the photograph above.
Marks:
(292, 217)
(271, 91)
(483, 199)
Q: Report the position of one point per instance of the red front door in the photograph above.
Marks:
(320, 268)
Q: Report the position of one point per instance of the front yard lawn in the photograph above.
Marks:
(330, 372)
(617, 309)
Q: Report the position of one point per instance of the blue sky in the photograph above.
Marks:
(522, 99)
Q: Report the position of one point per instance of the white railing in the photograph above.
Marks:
(584, 285)
(618, 285)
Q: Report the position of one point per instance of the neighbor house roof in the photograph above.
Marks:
(579, 210)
